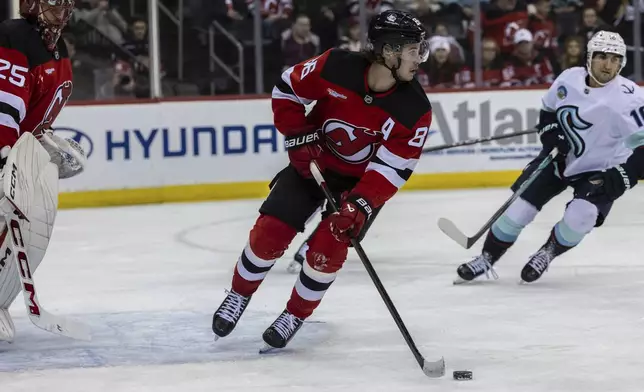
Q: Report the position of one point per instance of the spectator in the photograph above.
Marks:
(590, 24)
(104, 19)
(456, 53)
(299, 43)
(526, 66)
(543, 28)
(276, 15)
(138, 47)
(439, 71)
(138, 44)
(326, 26)
(573, 55)
(352, 41)
(83, 72)
(373, 7)
(566, 16)
(271, 9)
(123, 84)
(501, 19)
(231, 12)
(492, 65)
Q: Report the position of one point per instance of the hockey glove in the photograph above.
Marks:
(347, 223)
(608, 185)
(551, 136)
(302, 149)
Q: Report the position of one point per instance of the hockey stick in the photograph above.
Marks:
(431, 369)
(26, 169)
(37, 314)
(448, 227)
(476, 141)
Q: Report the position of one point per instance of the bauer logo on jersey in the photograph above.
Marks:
(350, 143)
(562, 92)
(572, 124)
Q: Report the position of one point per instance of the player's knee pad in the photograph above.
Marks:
(325, 253)
(580, 216)
(270, 237)
(520, 214)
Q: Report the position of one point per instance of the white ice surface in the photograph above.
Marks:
(147, 280)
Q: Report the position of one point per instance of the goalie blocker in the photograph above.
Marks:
(29, 203)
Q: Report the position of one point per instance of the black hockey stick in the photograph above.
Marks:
(431, 369)
(476, 141)
(448, 227)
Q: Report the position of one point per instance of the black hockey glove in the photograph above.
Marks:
(608, 185)
(551, 134)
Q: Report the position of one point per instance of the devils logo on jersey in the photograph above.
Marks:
(350, 143)
(59, 100)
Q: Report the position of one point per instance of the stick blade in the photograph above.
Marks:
(434, 369)
(61, 326)
(449, 228)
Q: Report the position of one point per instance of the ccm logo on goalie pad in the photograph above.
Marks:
(302, 140)
(14, 178)
(23, 261)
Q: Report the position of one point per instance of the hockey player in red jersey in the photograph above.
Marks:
(35, 84)
(366, 131)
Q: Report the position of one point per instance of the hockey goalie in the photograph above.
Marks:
(35, 84)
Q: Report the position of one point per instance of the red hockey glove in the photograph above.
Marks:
(347, 223)
(304, 148)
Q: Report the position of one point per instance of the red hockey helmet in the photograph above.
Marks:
(50, 15)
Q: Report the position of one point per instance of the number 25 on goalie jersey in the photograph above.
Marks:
(377, 137)
(35, 84)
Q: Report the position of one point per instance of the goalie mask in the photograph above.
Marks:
(51, 16)
(605, 42)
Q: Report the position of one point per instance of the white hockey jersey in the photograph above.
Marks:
(603, 124)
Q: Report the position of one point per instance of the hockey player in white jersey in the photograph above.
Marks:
(595, 118)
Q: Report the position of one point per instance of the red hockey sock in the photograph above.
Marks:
(267, 242)
(323, 260)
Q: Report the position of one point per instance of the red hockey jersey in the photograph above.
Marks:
(377, 137)
(519, 73)
(35, 84)
(502, 25)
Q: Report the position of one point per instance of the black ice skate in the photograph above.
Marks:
(482, 264)
(281, 331)
(230, 311)
(538, 263)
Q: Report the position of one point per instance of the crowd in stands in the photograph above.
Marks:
(524, 42)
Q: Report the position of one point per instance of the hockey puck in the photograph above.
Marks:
(462, 375)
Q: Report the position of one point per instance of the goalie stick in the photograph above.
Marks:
(28, 163)
(449, 228)
(431, 369)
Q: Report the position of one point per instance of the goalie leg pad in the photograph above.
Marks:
(7, 329)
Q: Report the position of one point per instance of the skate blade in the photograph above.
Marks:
(268, 349)
(460, 280)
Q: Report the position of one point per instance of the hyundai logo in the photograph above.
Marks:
(79, 137)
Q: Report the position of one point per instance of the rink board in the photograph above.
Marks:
(167, 151)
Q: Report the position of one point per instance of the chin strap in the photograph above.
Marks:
(394, 70)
